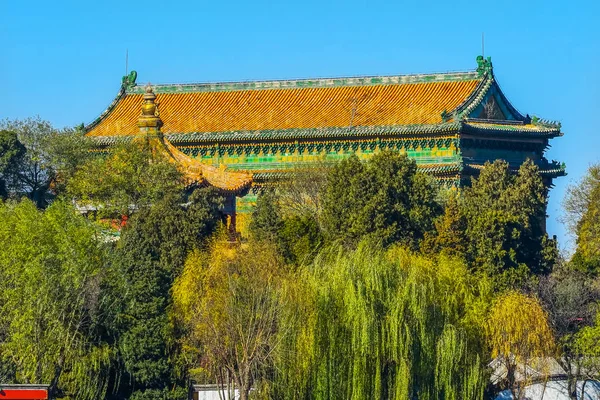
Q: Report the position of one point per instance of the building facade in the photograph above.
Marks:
(241, 136)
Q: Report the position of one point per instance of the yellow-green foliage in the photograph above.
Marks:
(230, 300)
(372, 324)
(50, 272)
(518, 327)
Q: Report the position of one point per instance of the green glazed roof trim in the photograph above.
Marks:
(551, 169)
(308, 83)
(546, 123)
(512, 130)
(122, 93)
(337, 133)
(476, 98)
(316, 133)
(445, 169)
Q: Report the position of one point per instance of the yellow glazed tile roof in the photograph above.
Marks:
(420, 102)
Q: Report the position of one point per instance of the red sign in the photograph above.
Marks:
(23, 394)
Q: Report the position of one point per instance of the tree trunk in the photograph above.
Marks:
(245, 383)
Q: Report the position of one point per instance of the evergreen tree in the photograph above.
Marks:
(297, 236)
(505, 216)
(266, 221)
(11, 155)
(300, 238)
(385, 199)
(149, 256)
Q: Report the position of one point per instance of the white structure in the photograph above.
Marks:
(556, 390)
(212, 392)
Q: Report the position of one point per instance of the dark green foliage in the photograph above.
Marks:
(35, 171)
(149, 256)
(178, 393)
(43, 158)
(11, 155)
(297, 236)
(266, 220)
(301, 238)
(384, 199)
(505, 216)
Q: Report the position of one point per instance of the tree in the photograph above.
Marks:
(231, 300)
(300, 239)
(47, 158)
(151, 253)
(450, 230)
(11, 154)
(582, 206)
(51, 268)
(374, 324)
(266, 221)
(68, 149)
(570, 298)
(301, 193)
(588, 345)
(34, 172)
(130, 177)
(518, 333)
(297, 236)
(505, 216)
(384, 198)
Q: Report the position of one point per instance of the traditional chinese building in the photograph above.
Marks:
(241, 136)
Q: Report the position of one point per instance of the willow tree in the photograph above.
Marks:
(382, 325)
(520, 337)
(51, 270)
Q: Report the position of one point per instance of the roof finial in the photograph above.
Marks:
(484, 65)
(149, 121)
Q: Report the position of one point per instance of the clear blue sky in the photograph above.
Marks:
(63, 60)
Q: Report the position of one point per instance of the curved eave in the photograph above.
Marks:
(475, 98)
(552, 170)
(196, 172)
(513, 130)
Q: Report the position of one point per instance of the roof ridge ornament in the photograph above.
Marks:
(128, 81)
(484, 65)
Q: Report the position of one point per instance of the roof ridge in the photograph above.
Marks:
(360, 80)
